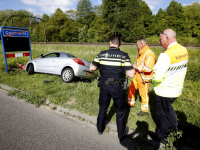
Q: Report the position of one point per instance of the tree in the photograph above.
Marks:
(83, 34)
(85, 15)
(130, 18)
(5, 17)
(192, 22)
(54, 24)
(60, 28)
(72, 14)
(45, 17)
(110, 12)
(99, 30)
(176, 17)
(69, 31)
(161, 22)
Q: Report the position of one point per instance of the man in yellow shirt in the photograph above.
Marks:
(168, 79)
(145, 62)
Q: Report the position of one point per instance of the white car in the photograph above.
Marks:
(60, 63)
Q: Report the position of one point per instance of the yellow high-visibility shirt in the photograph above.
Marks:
(170, 71)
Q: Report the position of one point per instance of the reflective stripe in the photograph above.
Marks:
(143, 77)
(139, 69)
(143, 108)
(147, 69)
(126, 64)
(147, 97)
(131, 102)
(145, 105)
(147, 53)
(131, 99)
(148, 61)
(145, 56)
(96, 60)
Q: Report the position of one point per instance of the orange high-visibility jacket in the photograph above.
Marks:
(145, 62)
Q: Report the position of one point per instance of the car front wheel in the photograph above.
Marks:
(30, 69)
(67, 75)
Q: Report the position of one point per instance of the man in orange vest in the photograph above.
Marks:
(145, 62)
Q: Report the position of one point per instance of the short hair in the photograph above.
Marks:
(142, 40)
(115, 39)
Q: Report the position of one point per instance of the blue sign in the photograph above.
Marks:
(14, 39)
(15, 33)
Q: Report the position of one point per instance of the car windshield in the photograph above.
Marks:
(51, 55)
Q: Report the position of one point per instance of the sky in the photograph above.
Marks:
(40, 7)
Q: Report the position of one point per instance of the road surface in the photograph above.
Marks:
(23, 127)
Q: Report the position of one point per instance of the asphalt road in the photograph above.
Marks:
(22, 126)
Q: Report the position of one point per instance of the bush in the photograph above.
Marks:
(153, 39)
(188, 40)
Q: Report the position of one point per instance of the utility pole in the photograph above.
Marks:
(11, 19)
(29, 17)
(44, 31)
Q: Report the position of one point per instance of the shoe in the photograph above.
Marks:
(141, 113)
(126, 133)
(100, 133)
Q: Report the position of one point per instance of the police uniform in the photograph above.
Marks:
(112, 64)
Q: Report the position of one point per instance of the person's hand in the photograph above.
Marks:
(155, 83)
(134, 66)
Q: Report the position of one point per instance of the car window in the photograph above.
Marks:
(52, 55)
(69, 55)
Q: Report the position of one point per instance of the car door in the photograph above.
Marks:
(47, 63)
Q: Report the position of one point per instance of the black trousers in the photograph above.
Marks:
(165, 114)
(119, 97)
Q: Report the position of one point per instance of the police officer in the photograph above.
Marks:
(113, 64)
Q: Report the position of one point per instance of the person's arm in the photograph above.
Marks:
(130, 73)
(95, 64)
(160, 68)
(93, 67)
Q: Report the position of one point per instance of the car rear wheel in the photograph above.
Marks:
(30, 69)
(68, 75)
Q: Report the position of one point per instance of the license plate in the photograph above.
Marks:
(89, 73)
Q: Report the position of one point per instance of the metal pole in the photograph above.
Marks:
(44, 32)
(11, 19)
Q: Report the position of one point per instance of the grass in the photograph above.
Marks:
(83, 96)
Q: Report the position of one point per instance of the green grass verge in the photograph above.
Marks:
(83, 96)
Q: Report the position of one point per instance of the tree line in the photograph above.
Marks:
(132, 19)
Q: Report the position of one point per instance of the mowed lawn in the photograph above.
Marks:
(83, 96)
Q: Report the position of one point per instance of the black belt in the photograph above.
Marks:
(112, 81)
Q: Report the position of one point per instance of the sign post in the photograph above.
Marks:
(15, 39)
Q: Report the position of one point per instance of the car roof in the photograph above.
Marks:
(63, 54)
